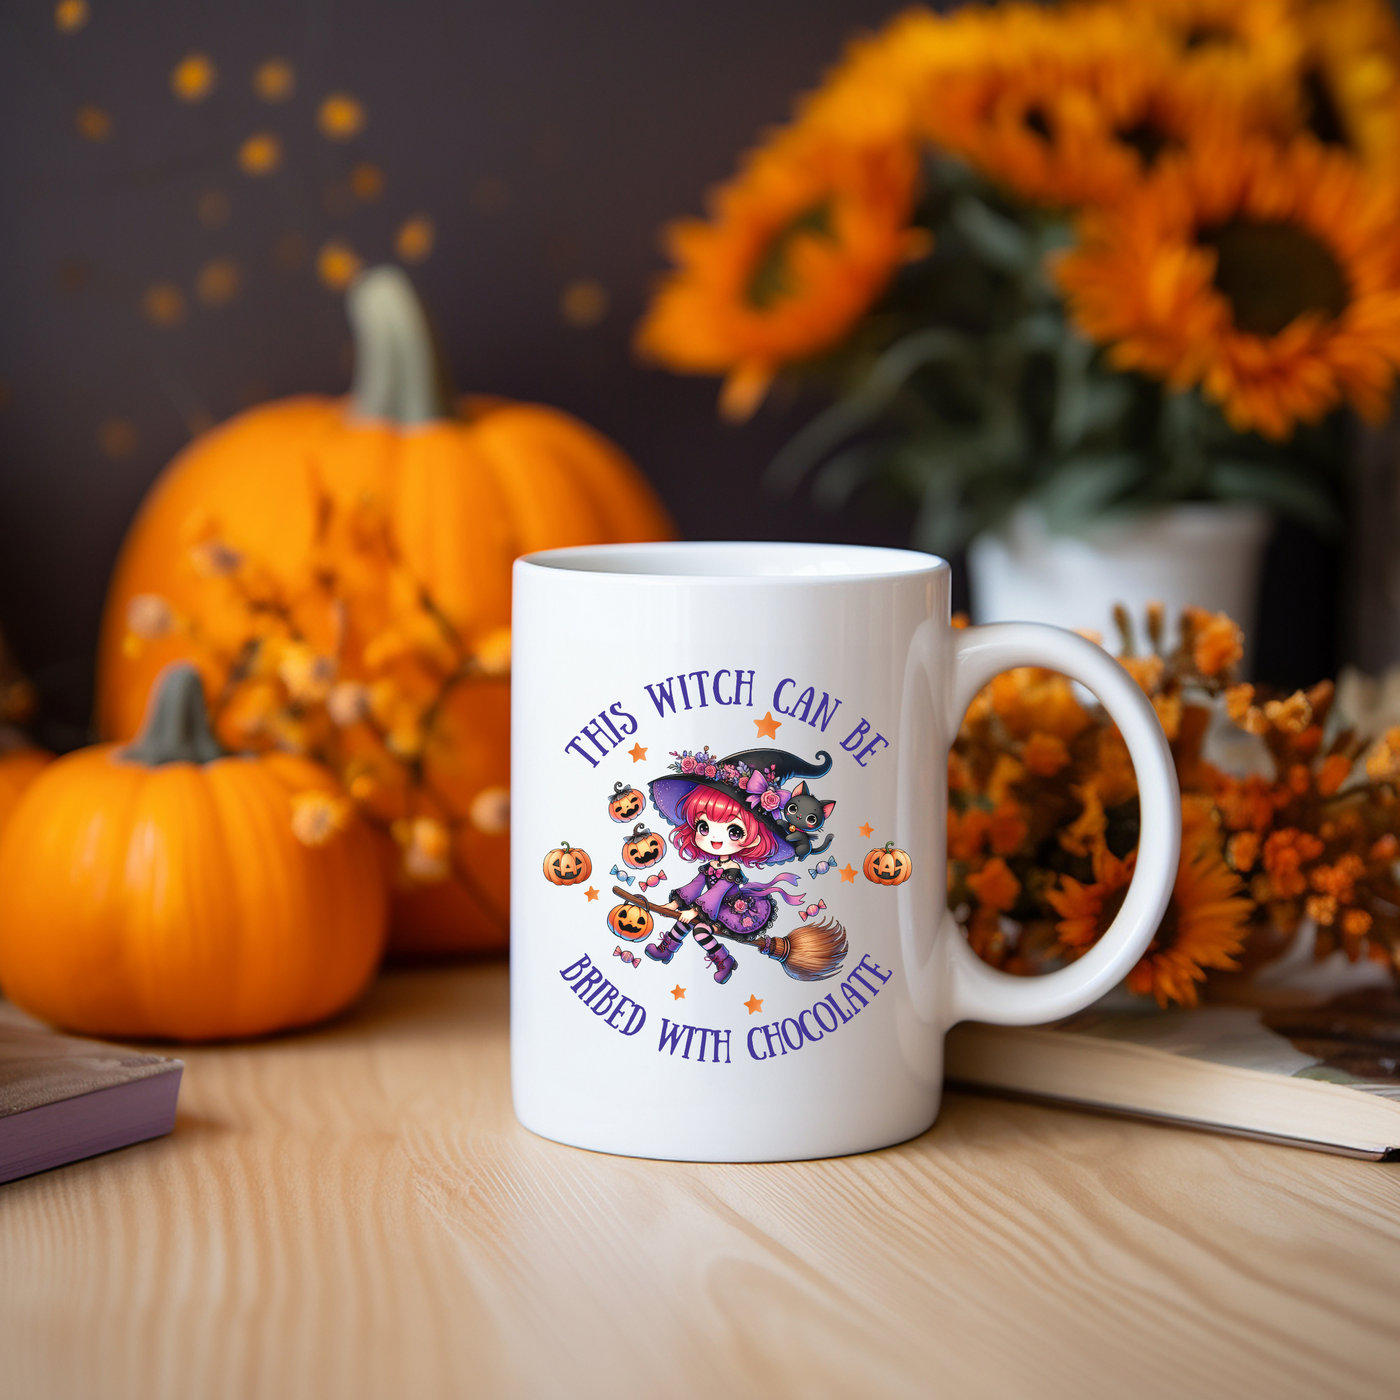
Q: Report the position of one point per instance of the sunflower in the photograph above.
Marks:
(1254, 44)
(1073, 106)
(1267, 275)
(796, 249)
(872, 95)
(1348, 88)
(1204, 924)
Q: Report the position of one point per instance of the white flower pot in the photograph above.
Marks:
(1185, 555)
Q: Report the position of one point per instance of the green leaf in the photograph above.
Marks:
(995, 240)
(939, 525)
(1282, 488)
(1085, 486)
(860, 408)
(839, 476)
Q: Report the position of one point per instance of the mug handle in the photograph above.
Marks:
(980, 992)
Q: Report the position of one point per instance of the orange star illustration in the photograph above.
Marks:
(754, 1004)
(866, 830)
(678, 991)
(638, 753)
(768, 726)
(848, 875)
(591, 893)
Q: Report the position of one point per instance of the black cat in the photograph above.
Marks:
(803, 815)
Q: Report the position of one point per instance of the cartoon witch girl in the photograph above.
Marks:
(724, 812)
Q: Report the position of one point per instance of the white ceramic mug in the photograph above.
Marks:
(764, 727)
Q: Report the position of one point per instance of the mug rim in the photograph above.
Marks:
(662, 561)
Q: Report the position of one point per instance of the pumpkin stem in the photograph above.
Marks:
(176, 727)
(399, 370)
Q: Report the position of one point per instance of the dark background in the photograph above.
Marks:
(547, 143)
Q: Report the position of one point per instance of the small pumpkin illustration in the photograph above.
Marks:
(625, 803)
(888, 865)
(643, 848)
(630, 921)
(567, 865)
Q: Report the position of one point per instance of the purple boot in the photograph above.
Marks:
(664, 950)
(724, 964)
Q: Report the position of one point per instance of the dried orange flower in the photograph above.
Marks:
(967, 832)
(149, 617)
(1321, 908)
(489, 811)
(1218, 644)
(426, 845)
(1356, 923)
(1242, 850)
(995, 885)
(307, 675)
(1285, 854)
(318, 816)
(1239, 700)
(1044, 754)
(1315, 831)
(1007, 828)
(1292, 715)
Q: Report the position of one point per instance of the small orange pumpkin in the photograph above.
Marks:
(888, 865)
(630, 921)
(625, 803)
(643, 848)
(168, 890)
(567, 865)
(18, 768)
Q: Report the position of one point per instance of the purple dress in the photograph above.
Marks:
(718, 893)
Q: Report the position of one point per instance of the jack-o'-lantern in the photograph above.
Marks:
(625, 802)
(567, 865)
(643, 848)
(887, 865)
(630, 921)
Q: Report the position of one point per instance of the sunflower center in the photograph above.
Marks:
(1147, 139)
(1168, 931)
(1272, 273)
(772, 276)
(1209, 36)
(1325, 119)
(1109, 911)
(1037, 119)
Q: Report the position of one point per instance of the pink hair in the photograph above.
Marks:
(720, 807)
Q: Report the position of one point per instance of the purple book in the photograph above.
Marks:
(62, 1099)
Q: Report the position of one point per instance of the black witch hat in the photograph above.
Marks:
(755, 778)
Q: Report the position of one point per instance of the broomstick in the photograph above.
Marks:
(810, 952)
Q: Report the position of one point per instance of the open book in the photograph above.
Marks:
(1305, 1054)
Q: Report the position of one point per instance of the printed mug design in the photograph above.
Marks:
(734, 821)
(747, 811)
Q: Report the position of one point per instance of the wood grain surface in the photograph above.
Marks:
(355, 1213)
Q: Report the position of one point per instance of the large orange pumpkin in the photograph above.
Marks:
(166, 890)
(467, 487)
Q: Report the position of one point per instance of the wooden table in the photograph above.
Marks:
(355, 1212)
